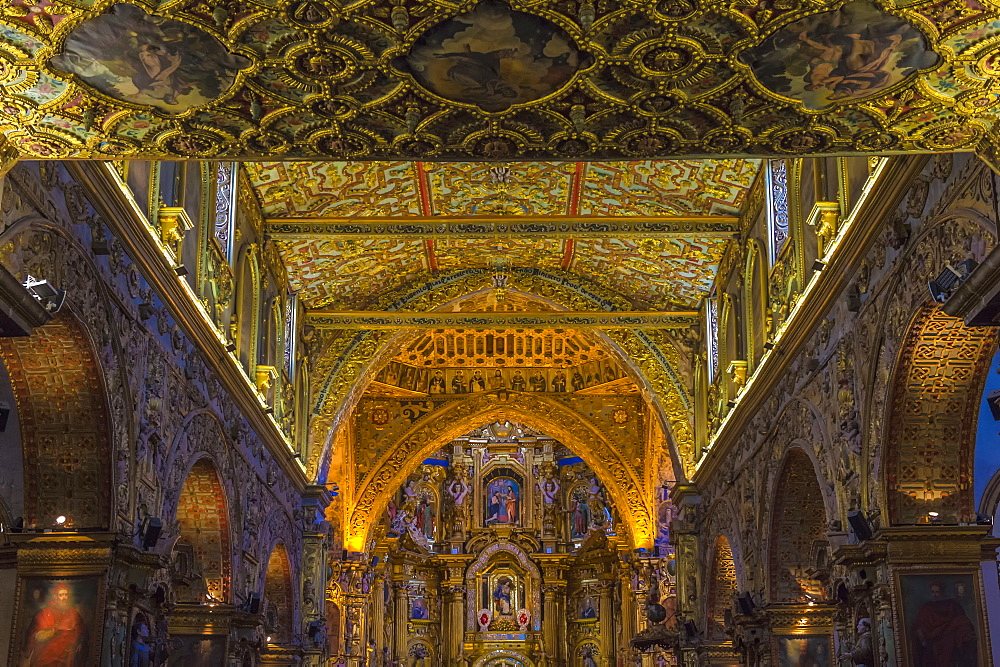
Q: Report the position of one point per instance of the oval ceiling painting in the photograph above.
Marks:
(136, 57)
(839, 56)
(494, 57)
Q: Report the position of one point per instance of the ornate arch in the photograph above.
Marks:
(931, 426)
(44, 248)
(722, 588)
(953, 235)
(798, 529)
(345, 362)
(64, 422)
(278, 596)
(203, 522)
(459, 417)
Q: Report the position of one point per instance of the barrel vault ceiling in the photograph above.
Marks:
(302, 201)
(466, 80)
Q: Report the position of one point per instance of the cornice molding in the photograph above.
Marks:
(869, 220)
(131, 229)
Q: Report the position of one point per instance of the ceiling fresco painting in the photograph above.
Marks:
(461, 80)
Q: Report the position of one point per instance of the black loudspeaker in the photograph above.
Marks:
(746, 604)
(691, 629)
(149, 531)
(253, 603)
(859, 524)
(993, 400)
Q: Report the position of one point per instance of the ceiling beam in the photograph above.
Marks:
(339, 319)
(441, 227)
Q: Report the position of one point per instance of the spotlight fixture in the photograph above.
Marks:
(100, 247)
(949, 279)
(60, 519)
(51, 298)
(231, 347)
(818, 265)
(181, 270)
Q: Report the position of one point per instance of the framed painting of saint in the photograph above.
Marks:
(813, 650)
(503, 501)
(940, 619)
(56, 621)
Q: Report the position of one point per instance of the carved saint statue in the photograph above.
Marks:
(862, 653)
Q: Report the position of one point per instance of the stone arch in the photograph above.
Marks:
(624, 485)
(952, 235)
(64, 421)
(278, 596)
(798, 530)
(931, 426)
(203, 524)
(722, 588)
(44, 248)
(344, 362)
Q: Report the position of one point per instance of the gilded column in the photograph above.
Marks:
(453, 625)
(554, 621)
(378, 612)
(607, 620)
(401, 618)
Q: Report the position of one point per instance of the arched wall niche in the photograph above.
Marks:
(64, 425)
(627, 491)
(278, 600)
(349, 362)
(950, 234)
(798, 531)
(722, 588)
(204, 525)
(499, 552)
(45, 248)
(931, 426)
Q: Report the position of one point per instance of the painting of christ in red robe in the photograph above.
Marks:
(58, 614)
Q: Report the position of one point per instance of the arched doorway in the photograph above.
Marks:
(278, 601)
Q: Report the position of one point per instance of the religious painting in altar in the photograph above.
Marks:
(419, 610)
(494, 57)
(796, 650)
(136, 57)
(940, 619)
(588, 609)
(502, 501)
(840, 56)
(56, 621)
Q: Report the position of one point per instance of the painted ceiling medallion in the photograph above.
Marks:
(844, 55)
(136, 57)
(493, 57)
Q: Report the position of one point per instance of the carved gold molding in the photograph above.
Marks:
(548, 227)
(393, 320)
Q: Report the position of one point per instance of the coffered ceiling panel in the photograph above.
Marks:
(465, 80)
(386, 189)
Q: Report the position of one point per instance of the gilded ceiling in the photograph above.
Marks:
(385, 189)
(467, 80)
(663, 274)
